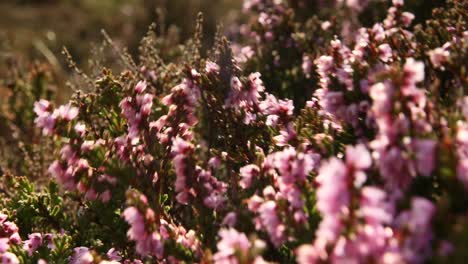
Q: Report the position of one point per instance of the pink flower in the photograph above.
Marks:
(385, 52)
(231, 244)
(113, 254)
(271, 222)
(425, 155)
(414, 71)
(9, 258)
(358, 157)
(183, 197)
(214, 200)
(307, 65)
(33, 243)
(438, 57)
(306, 254)
(332, 200)
(136, 221)
(67, 112)
(381, 94)
(230, 219)
(357, 5)
(81, 255)
(247, 173)
(80, 129)
(407, 18)
(373, 207)
(42, 107)
(180, 146)
(45, 119)
(140, 87)
(417, 223)
(4, 244)
(398, 3)
(212, 67)
(324, 65)
(56, 170)
(106, 196)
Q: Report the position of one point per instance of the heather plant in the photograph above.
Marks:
(331, 132)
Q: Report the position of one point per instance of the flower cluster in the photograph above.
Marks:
(313, 139)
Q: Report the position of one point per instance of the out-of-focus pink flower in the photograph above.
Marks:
(113, 254)
(306, 254)
(385, 52)
(81, 255)
(425, 155)
(381, 94)
(438, 57)
(307, 65)
(271, 222)
(136, 221)
(332, 198)
(33, 243)
(4, 244)
(42, 107)
(45, 119)
(231, 243)
(247, 173)
(230, 219)
(80, 129)
(414, 72)
(398, 3)
(373, 207)
(9, 258)
(140, 87)
(214, 200)
(407, 18)
(212, 68)
(67, 112)
(358, 157)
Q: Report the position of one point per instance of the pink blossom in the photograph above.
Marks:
(414, 71)
(381, 94)
(113, 254)
(214, 200)
(247, 173)
(306, 254)
(425, 155)
(80, 129)
(136, 221)
(438, 57)
(33, 243)
(9, 258)
(230, 219)
(45, 119)
(385, 52)
(271, 222)
(462, 153)
(373, 207)
(42, 107)
(306, 65)
(212, 67)
(67, 112)
(4, 244)
(398, 3)
(140, 87)
(417, 221)
(358, 157)
(231, 242)
(407, 18)
(81, 255)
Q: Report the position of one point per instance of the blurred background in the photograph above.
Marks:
(39, 29)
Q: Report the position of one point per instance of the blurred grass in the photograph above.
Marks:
(38, 29)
